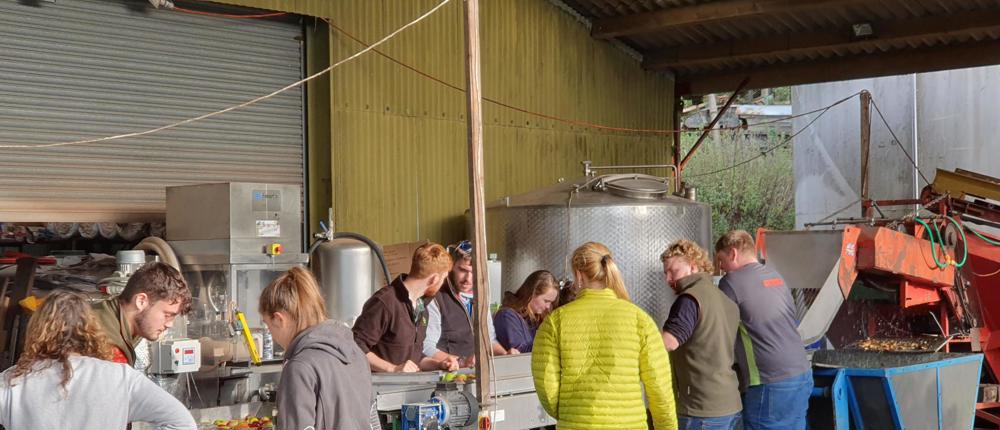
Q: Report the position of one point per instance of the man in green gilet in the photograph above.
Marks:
(699, 334)
(154, 296)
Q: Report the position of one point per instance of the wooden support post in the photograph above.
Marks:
(15, 320)
(866, 136)
(678, 107)
(711, 125)
(484, 348)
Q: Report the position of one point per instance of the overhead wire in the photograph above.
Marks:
(371, 47)
(822, 111)
(241, 105)
(576, 122)
(228, 15)
(897, 142)
(512, 107)
(832, 214)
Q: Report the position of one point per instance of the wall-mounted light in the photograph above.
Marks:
(863, 30)
(165, 4)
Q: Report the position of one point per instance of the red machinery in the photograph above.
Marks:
(900, 279)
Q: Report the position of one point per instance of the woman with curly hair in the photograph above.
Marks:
(63, 378)
(700, 334)
(524, 310)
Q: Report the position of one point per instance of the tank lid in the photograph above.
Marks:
(605, 190)
(635, 186)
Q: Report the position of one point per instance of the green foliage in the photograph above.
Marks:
(781, 96)
(757, 194)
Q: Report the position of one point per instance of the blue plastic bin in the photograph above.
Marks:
(879, 391)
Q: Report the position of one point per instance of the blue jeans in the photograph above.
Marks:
(728, 422)
(779, 405)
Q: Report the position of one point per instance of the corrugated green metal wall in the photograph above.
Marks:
(399, 159)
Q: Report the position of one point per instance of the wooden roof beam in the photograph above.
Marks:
(948, 57)
(706, 13)
(699, 56)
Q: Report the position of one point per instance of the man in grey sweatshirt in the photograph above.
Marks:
(326, 382)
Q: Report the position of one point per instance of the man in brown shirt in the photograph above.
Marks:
(393, 323)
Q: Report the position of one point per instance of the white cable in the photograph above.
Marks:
(241, 105)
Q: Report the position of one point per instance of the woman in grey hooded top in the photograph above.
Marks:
(326, 381)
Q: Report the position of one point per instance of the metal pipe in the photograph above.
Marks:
(161, 248)
(821, 392)
(875, 221)
(866, 136)
(979, 221)
(589, 170)
(916, 147)
(676, 158)
(838, 221)
(843, 221)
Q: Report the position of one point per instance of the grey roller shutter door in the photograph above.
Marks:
(78, 69)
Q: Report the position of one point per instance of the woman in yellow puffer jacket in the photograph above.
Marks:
(593, 357)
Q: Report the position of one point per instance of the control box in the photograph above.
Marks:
(175, 356)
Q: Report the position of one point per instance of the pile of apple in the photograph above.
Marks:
(458, 377)
(250, 422)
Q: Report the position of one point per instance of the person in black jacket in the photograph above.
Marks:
(326, 382)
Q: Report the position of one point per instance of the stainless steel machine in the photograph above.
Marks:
(414, 400)
(635, 215)
(232, 240)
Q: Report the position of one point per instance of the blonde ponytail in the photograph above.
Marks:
(296, 293)
(613, 279)
(595, 262)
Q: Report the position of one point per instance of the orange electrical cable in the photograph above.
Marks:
(525, 111)
(226, 15)
(566, 120)
(987, 275)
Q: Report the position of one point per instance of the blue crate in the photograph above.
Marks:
(857, 390)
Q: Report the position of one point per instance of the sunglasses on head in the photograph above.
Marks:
(464, 246)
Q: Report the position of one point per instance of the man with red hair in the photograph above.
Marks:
(393, 323)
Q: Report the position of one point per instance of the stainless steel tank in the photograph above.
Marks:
(634, 215)
(344, 268)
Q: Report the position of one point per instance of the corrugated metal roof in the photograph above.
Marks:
(656, 28)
